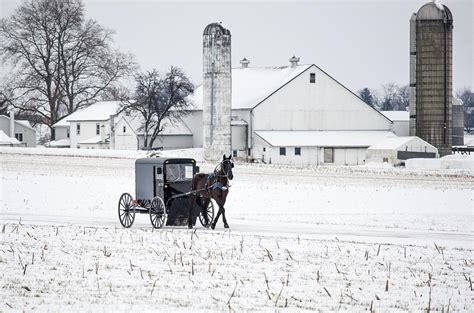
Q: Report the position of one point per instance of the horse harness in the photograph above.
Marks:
(212, 178)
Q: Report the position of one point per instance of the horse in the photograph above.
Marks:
(212, 186)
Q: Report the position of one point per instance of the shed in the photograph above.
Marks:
(396, 150)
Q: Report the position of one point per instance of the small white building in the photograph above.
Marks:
(401, 121)
(20, 130)
(396, 150)
(316, 147)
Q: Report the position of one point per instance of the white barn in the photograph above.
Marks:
(290, 99)
(401, 121)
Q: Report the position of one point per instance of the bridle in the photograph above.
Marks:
(222, 171)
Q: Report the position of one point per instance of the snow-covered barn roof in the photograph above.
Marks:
(399, 116)
(252, 85)
(99, 111)
(316, 138)
(396, 143)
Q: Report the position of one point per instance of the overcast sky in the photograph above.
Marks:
(359, 43)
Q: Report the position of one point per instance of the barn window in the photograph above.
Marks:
(264, 149)
(67, 133)
(125, 129)
(297, 151)
(282, 151)
(312, 78)
(234, 153)
(97, 129)
(78, 129)
(328, 155)
(19, 136)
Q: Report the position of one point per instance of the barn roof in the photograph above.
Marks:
(252, 85)
(317, 138)
(395, 143)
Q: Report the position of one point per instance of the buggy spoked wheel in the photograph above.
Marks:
(209, 211)
(157, 213)
(126, 210)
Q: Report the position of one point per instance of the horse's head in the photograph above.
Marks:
(227, 165)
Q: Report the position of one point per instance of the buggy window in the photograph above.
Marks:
(179, 172)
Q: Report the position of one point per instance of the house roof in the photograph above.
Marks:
(397, 115)
(20, 122)
(252, 85)
(395, 143)
(316, 138)
(4, 139)
(99, 111)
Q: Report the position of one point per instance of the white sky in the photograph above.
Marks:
(359, 43)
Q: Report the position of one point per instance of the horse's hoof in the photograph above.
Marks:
(213, 226)
(226, 225)
(190, 226)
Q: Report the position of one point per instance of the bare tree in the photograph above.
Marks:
(395, 98)
(61, 61)
(158, 98)
(467, 97)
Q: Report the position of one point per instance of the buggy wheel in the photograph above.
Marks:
(157, 212)
(126, 210)
(209, 211)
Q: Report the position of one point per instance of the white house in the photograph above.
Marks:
(395, 150)
(271, 103)
(401, 121)
(20, 131)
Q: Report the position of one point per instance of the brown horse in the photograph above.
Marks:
(212, 186)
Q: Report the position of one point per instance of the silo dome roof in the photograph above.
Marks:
(434, 11)
(216, 28)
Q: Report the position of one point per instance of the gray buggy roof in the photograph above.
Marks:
(161, 161)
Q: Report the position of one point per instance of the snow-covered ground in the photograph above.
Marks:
(287, 224)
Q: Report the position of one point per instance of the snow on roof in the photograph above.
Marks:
(395, 143)
(99, 111)
(60, 143)
(330, 138)
(397, 115)
(4, 139)
(251, 85)
(21, 122)
(238, 123)
(95, 139)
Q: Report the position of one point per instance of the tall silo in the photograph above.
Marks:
(413, 75)
(458, 122)
(430, 108)
(217, 91)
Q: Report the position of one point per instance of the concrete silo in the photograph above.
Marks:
(431, 32)
(217, 91)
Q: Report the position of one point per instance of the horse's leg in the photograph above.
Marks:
(219, 203)
(224, 219)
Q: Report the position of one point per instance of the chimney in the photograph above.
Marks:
(112, 132)
(294, 61)
(244, 62)
(12, 123)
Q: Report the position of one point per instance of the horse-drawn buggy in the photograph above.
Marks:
(164, 191)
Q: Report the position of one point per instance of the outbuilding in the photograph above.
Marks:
(396, 150)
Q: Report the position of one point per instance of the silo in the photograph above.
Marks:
(458, 123)
(413, 75)
(217, 91)
(433, 76)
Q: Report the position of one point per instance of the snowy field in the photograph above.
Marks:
(341, 238)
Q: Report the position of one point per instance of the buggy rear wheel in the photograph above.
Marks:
(209, 211)
(157, 212)
(126, 210)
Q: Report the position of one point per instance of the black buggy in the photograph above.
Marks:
(163, 189)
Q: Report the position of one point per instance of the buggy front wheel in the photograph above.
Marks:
(157, 212)
(209, 211)
(126, 210)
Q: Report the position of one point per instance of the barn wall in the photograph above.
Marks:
(169, 141)
(401, 128)
(194, 122)
(324, 105)
(88, 130)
